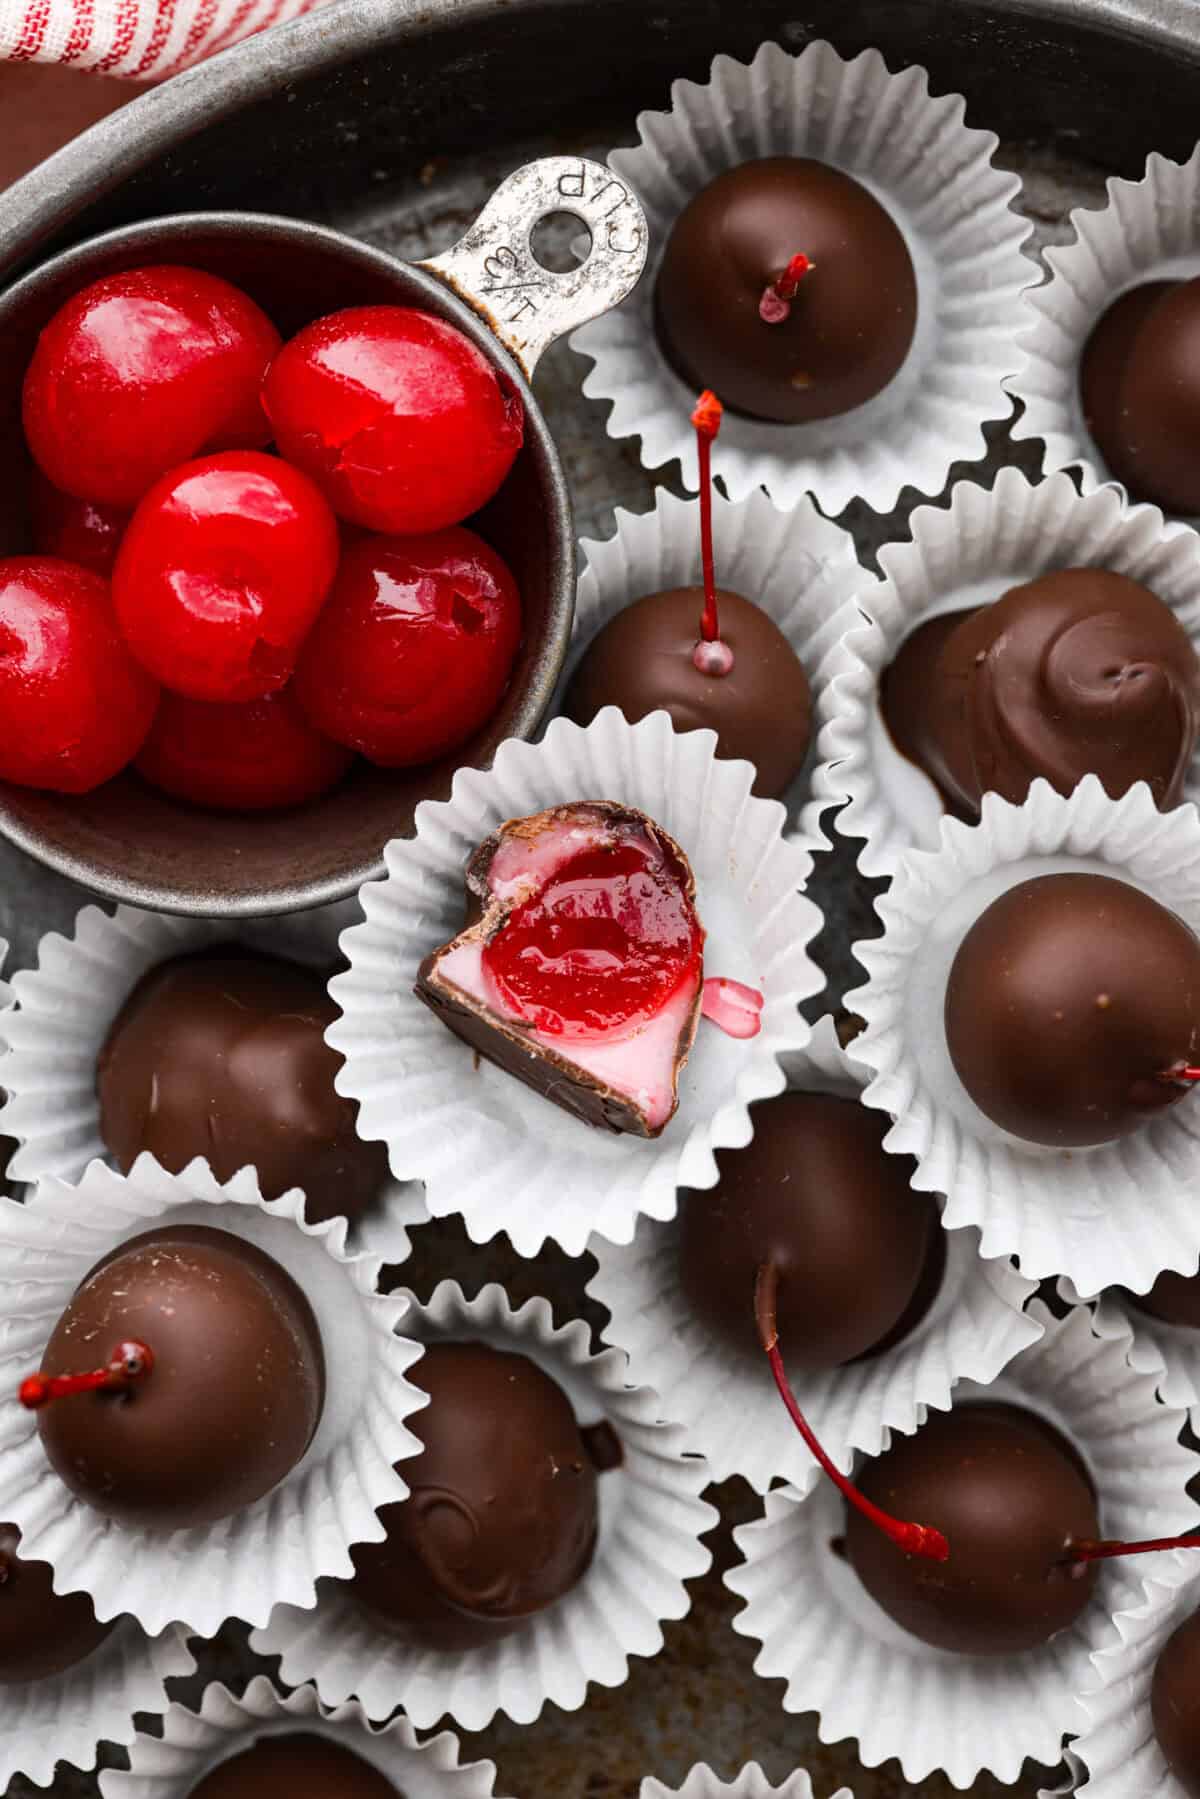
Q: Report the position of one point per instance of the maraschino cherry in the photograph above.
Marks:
(80, 531)
(400, 419)
(76, 705)
(250, 757)
(141, 370)
(222, 572)
(414, 648)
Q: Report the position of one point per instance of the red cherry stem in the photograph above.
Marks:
(129, 1362)
(707, 422)
(776, 302)
(1183, 1073)
(1104, 1551)
(913, 1539)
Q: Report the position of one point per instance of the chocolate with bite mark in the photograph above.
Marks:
(511, 1043)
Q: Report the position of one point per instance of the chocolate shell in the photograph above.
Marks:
(41, 1632)
(299, 1766)
(1140, 391)
(1175, 1704)
(628, 1084)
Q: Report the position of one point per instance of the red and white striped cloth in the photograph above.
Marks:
(140, 39)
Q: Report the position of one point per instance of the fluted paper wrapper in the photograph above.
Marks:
(1118, 1751)
(799, 568)
(66, 1716)
(727, 1403)
(193, 1743)
(66, 1006)
(932, 173)
(484, 1144)
(1148, 231)
(1170, 1352)
(964, 555)
(651, 1519)
(751, 1783)
(867, 1678)
(277, 1548)
(1118, 1212)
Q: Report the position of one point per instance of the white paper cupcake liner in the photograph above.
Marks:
(969, 554)
(277, 1548)
(1170, 1352)
(1149, 231)
(66, 1005)
(193, 1743)
(1119, 1212)
(1118, 1751)
(844, 1658)
(484, 1144)
(935, 177)
(751, 1783)
(799, 568)
(651, 1519)
(66, 1716)
(727, 1403)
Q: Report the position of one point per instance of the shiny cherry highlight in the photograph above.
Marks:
(140, 371)
(76, 705)
(222, 572)
(239, 758)
(414, 648)
(403, 423)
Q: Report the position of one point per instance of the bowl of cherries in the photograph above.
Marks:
(285, 540)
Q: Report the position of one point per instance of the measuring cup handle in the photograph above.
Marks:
(494, 270)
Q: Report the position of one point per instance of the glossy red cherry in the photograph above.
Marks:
(414, 648)
(221, 573)
(138, 372)
(80, 531)
(76, 706)
(405, 425)
(600, 948)
(239, 758)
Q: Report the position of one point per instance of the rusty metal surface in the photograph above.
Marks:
(700, 1699)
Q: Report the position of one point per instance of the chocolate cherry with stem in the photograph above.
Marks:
(736, 673)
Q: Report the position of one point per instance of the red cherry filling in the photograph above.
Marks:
(221, 573)
(414, 648)
(403, 423)
(76, 706)
(601, 947)
(79, 531)
(239, 758)
(140, 371)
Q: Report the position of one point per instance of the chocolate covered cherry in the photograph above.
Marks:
(1175, 1704)
(210, 1384)
(1073, 1009)
(1140, 392)
(1013, 1498)
(222, 572)
(414, 649)
(140, 371)
(403, 423)
(787, 288)
(41, 1632)
(250, 757)
(501, 1516)
(76, 706)
(295, 1765)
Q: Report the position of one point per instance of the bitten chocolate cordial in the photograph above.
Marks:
(501, 1516)
(706, 656)
(1013, 1498)
(1175, 1704)
(1079, 672)
(1140, 391)
(210, 1386)
(581, 964)
(41, 1632)
(295, 1765)
(223, 1055)
(1073, 1009)
(787, 288)
(815, 1196)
